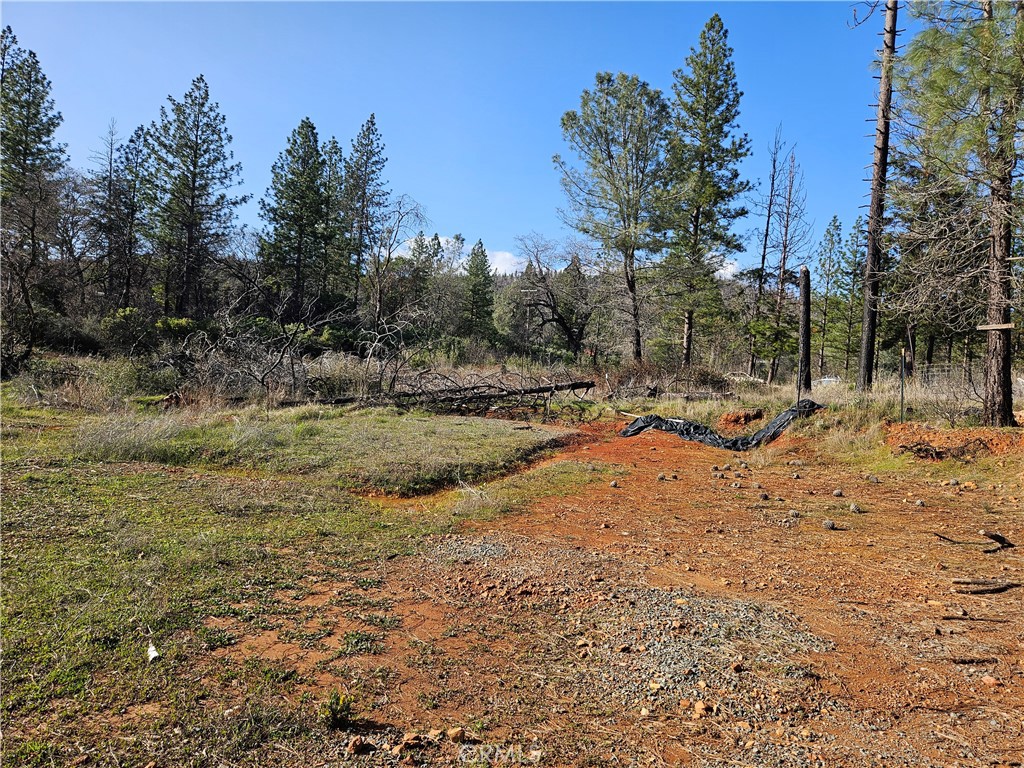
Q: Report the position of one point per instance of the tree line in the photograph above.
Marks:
(143, 250)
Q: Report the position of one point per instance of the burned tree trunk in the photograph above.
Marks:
(873, 264)
(804, 368)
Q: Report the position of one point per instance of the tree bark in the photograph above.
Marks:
(804, 369)
(873, 263)
(688, 338)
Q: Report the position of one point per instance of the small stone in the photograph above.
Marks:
(737, 474)
(661, 476)
(838, 493)
(764, 497)
(828, 525)
(755, 485)
(675, 476)
(954, 481)
(919, 503)
(873, 479)
(727, 468)
(623, 649)
(990, 681)
(735, 485)
(794, 513)
(718, 475)
(855, 508)
(796, 475)
(744, 465)
(700, 709)
(614, 484)
(796, 463)
(456, 735)
(357, 745)
(644, 711)
(714, 467)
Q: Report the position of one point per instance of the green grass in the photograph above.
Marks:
(120, 532)
(377, 449)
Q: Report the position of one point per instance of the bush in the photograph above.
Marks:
(338, 711)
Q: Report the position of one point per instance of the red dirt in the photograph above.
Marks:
(967, 442)
(918, 673)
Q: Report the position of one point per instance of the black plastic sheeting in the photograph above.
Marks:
(700, 433)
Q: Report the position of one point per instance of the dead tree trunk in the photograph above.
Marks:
(804, 369)
(873, 264)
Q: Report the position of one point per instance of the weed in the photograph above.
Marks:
(338, 710)
(360, 644)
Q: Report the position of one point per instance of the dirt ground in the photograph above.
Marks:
(709, 609)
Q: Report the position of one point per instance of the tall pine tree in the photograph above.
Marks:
(365, 198)
(295, 209)
(478, 316)
(30, 161)
(704, 151)
(190, 173)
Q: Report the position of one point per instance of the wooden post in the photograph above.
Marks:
(804, 367)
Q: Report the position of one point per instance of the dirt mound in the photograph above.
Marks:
(737, 420)
(963, 443)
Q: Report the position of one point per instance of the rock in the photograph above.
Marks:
(700, 709)
(919, 503)
(714, 467)
(718, 476)
(357, 745)
(675, 476)
(954, 481)
(838, 493)
(990, 681)
(735, 485)
(855, 508)
(873, 479)
(661, 476)
(614, 484)
(456, 735)
(794, 513)
(796, 475)
(755, 485)
(623, 649)
(828, 525)
(764, 497)
(796, 463)
(727, 468)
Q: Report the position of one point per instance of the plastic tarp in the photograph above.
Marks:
(700, 433)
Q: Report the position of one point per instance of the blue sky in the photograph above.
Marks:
(467, 96)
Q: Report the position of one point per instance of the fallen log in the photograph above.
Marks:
(1002, 541)
(451, 395)
(982, 586)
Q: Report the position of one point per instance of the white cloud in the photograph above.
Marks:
(728, 269)
(505, 263)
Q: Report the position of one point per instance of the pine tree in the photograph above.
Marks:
(30, 161)
(189, 175)
(619, 135)
(295, 209)
(115, 221)
(829, 250)
(960, 84)
(704, 150)
(337, 277)
(365, 198)
(478, 316)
